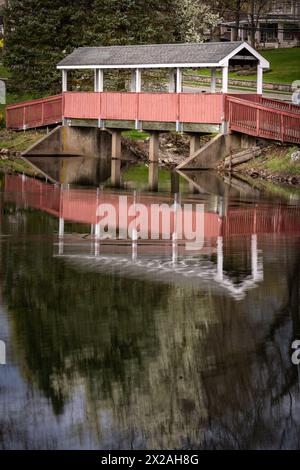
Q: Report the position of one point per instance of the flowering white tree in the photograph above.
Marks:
(194, 17)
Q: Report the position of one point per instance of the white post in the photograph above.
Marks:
(178, 80)
(213, 85)
(2, 353)
(138, 81)
(220, 259)
(254, 257)
(133, 81)
(98, 82)
(225, 79)
(171, 84)
(259, 80)
(96, 71)
(61, 229)
(101, 81)
(64, 80)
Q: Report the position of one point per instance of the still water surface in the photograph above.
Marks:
(110, 351)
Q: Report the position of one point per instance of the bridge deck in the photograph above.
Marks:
(246, 113)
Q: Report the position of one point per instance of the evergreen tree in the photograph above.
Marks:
(39, 33)
(37, 36)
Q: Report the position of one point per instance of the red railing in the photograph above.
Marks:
(156, 107)
(262, 121)
(249, 113)
(282, 105)
(35, 113)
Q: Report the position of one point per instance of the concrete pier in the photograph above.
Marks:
(154, 147)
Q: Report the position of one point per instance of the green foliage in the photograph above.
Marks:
(39, 34)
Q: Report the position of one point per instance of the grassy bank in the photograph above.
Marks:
(285, 66)
(275, 164)
(11, 146)
(19, 141)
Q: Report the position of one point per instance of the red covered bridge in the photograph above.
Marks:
(154, 112)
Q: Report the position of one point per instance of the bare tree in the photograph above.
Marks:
(234, 9)
(255, 9)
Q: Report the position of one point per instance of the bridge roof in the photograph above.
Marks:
(160, 55)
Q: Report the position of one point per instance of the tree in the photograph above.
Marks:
(255, 8)
(232, 8)
(120, 22)
(193, 18)
(39, 34)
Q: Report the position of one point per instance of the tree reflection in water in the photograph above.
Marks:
(114, 362)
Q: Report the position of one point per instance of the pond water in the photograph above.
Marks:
(110, 346)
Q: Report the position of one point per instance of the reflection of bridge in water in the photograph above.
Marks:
(163, 260)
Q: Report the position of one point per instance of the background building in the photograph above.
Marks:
(277, 27)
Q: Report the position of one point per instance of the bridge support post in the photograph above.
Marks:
(175, 189)
(195, 144)
(153, 176)
(116, 151)
(115, 173)
(154, 147)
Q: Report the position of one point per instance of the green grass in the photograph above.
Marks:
(285, 65)
(135, 135)
(277, 163)
(19, 141)
(283, 164)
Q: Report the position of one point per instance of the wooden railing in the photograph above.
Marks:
(262, 121)
(156, 107)
(250, 114)
(35, 113)
(282, 105)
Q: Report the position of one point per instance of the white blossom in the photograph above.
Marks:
(194, 19)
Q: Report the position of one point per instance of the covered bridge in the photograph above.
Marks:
(175, 57)
(211, 111)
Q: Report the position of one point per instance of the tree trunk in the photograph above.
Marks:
(237, 20)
